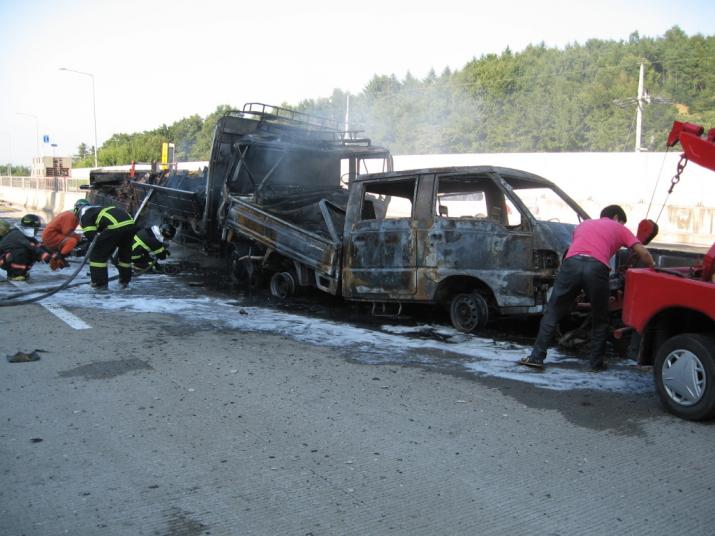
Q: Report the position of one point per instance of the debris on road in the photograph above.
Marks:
(22, 357)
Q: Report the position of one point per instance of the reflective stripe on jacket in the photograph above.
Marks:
(146, 244)
(98, 219)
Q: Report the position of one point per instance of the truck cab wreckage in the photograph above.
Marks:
(292, 199)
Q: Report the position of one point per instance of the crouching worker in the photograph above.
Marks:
(19, 249)
(150, 245)
(114, 229)
(59, 235)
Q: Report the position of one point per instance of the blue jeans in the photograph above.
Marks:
(577, 273)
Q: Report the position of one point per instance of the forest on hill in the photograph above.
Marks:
(578, 98)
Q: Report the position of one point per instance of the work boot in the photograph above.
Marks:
(531, 363)
(99, 288)
(600, 367)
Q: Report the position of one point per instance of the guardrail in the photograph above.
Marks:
(53, 184)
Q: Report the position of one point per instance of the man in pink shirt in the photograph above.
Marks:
(586, 268)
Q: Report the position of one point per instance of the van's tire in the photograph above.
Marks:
(468, 311)
(684, 373)
(282, 285)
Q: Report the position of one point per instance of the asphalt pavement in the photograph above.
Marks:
(169, 410)
(152, 424)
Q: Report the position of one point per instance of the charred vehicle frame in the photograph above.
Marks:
(294, 198)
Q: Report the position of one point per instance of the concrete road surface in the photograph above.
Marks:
(162, 413)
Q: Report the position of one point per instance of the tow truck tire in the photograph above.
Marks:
(684, 373)
(468, 312)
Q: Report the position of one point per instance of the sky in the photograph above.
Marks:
(153, 62)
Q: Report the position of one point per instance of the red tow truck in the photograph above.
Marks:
(673, 310)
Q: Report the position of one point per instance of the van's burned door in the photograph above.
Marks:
(380, 261)
(479, 232)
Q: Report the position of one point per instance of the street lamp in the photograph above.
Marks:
(94, 108)
(37, 131)
(9, 141)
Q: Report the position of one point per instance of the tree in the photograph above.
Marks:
(539, 99)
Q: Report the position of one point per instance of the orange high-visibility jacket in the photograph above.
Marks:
(59, 228)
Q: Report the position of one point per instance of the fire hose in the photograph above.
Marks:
(13, 300)
(47, 292)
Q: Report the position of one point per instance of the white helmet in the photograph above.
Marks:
(157, 233)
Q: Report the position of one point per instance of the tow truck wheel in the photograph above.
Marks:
(684, 372)
(468, 312)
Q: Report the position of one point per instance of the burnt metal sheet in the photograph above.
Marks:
(311, 249)
(382, 257)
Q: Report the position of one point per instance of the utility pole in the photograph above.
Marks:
(94, 107)
(347, 114)
(643, 98)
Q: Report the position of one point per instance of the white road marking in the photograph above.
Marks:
(67, 317)
(56, 309)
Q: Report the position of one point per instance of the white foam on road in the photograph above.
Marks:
(388, 344)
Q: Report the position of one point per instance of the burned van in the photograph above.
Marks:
(482, 241)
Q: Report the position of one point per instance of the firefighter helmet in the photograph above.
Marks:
(79, 204)
(31, 220)
(29, 224)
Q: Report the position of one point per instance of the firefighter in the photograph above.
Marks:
(59, 235)
(150, 245)
(116, 231)
(19, 249)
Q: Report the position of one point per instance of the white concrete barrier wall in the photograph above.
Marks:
(43, 202)
(638, 182)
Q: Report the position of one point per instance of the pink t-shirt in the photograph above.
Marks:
(600, 239)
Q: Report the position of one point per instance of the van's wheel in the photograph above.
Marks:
(468, 312)
(684, 373)
(282, 285)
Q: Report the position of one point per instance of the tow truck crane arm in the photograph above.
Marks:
(701, 150)
(696, 147)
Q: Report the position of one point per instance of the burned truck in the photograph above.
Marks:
(293, 200)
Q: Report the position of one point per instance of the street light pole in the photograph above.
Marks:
(94, 108)
(37, 131)
(9, 141)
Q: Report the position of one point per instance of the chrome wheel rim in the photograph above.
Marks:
(684, 378)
